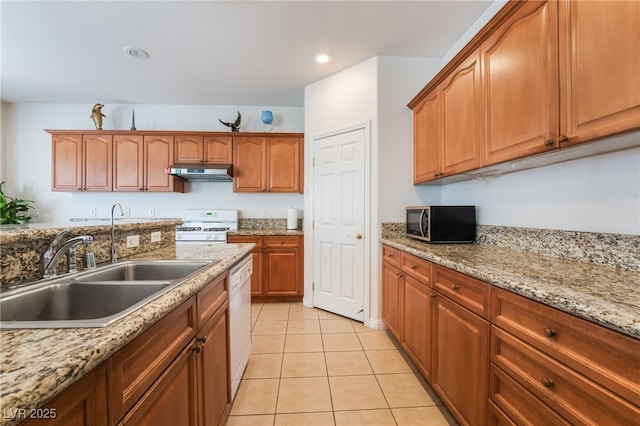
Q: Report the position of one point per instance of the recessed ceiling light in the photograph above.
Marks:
(323, 58)
(136, 52)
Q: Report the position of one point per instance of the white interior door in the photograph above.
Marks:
(339, 223)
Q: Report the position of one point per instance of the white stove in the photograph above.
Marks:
(206, 225)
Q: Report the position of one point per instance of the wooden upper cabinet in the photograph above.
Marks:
(217, 149)
(66, 169)
(427, 140)
(128, 152)
(189, 149)
(158, 155)
(520, 84)
(203, 149)
(461, 115)
(97, 162)
(599, 68)
(249, 164)
(283, 169)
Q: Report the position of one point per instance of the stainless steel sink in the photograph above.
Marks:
(144, 270)
(93, 298)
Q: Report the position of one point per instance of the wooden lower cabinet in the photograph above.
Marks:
(417, 314)
(277, 266)
(392, 284)
(83, 404)
(213, 367)
(172, 399)
(460, 365)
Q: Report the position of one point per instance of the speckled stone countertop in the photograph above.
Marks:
(38, 364)
(272, 231)
(604, 295)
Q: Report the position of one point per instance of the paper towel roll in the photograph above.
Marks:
(292, 219)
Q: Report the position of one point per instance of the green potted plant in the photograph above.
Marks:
(13, 210)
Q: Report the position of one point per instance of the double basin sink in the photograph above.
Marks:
(94, 298)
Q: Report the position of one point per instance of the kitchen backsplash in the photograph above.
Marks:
(614, 250)
(258, 223)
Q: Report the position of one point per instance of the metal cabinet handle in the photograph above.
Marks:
(413, 267)
(203, 340)
(197, 349)
(546, 382)
(549, 332)
(563, 139)
(455, 287)
(548, 142)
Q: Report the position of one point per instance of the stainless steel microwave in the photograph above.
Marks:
(442, 224)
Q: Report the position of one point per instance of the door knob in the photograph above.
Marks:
(359, 236)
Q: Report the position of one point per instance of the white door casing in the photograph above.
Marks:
(339, 224)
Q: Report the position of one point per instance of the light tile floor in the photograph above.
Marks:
(309, 367)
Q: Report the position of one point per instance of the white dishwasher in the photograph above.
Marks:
(240, 319)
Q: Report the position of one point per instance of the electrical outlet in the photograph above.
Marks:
(133, 241)
(152, 212)
(127, 211)
(265, 212)
(156, 237)
(93, 212)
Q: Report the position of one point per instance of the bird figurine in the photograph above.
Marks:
(235, 126)
(96, 116)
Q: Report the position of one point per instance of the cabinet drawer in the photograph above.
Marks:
(210, 298)
(391, 255)
(284, 241)
(418, 268)
(605, 356)
(467, 291)
(135, 367)
(573, 396)
(517, 403)
(256, 239)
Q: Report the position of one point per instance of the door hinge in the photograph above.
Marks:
(313, 162)
(313, 287)
(313, 224)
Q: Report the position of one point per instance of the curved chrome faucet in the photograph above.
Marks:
(51, 257)
(114, 251)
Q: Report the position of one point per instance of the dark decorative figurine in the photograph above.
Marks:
(96, 116)
(235, 126)
(133, 120)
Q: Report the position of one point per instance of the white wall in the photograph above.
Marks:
(28, 158)
(594, 194)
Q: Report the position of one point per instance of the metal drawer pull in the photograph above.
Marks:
(549, 332)
(203, 340)
(455, 287)
(547, 382)
(197, 349)
(413, 267)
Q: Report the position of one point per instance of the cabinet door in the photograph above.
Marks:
(427, 139)
(172, 399)
(282, 272)
(66, 167)
(599, 68)
(97, 162)
(189, 149)
(283, 158)
(417, 324)
(217, 149)
(392, 282)
(460, 369)
(249, 164)
(214, 369)
(462, 118)
(521, 99)
(128, 163)
(158, 155)
(83, 404)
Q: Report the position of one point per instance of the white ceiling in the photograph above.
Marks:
(209, 52)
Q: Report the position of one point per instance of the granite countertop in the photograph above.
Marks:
(267, 231)
(17, 233)
(38, 364)
(604, 295)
